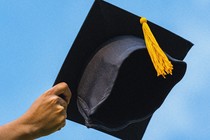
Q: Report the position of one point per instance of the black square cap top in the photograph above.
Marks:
(103, 23)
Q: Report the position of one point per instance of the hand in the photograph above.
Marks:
(46, 115)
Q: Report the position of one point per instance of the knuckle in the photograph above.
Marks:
(63, 103)
(65, 115)
(48, 92)
(60, 109)
(61, 119)
(54, 99)
(64, 85)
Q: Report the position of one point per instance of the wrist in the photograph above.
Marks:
(23, 130)
(16, 130)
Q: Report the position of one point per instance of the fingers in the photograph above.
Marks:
(61, 125)
(59, 101)
(61, 90)
(62, 120)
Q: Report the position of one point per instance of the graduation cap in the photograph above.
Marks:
(120, 69)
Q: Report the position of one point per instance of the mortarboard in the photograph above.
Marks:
(115, 88)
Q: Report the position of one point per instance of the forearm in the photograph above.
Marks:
(15, 130)
(45, 116)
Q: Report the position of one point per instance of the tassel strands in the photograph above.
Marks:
(159, 59)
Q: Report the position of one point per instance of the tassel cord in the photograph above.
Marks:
(159, 59)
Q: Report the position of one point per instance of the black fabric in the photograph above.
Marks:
(104, 22)
(100, 74)
(119, 87)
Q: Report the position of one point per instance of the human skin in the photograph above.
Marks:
(46, 115)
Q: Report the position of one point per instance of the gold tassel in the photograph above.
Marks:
(160, 61)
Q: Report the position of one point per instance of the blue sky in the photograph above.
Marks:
(36, 35)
